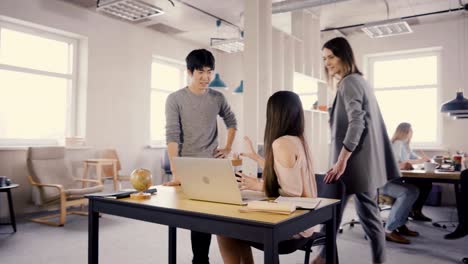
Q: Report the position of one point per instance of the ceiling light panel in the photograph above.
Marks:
(228, 45)
(387, 28)
(132, 10)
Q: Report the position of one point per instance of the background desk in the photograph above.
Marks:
(171, 207)
(441, 177)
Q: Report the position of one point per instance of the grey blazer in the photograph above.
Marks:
(357, 124)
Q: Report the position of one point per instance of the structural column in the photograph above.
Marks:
(257, 69)
(265, 61)
(288, 62)
(278, 51)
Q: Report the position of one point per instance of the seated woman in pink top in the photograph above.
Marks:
(287, 168)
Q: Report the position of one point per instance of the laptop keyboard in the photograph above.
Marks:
(248, 195)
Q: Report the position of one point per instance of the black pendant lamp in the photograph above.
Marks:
(457, 105)
(459, 115)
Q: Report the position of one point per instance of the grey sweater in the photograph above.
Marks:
(191, 121)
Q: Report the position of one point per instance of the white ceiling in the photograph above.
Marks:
(191, 24)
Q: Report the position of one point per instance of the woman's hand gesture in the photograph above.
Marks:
(251, 153)
(249, 183)
(335, 172)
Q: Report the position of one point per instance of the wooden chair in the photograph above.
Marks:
(54, 181)
(108, 170)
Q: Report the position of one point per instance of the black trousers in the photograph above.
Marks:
(464, 199)
(424, 191)
(200, 247)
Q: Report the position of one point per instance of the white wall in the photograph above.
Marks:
(229, 66)
(444, 34)
(117, 94)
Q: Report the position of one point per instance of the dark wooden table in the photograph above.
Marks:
(172, 208)
(440, 177)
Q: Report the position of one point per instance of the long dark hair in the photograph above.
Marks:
(285, 116)
(341, 49)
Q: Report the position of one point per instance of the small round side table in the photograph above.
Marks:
(7, 189)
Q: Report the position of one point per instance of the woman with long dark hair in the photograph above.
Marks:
(287, 169)
(361, 152)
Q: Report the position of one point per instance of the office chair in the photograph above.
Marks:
(333, 191)
(166, 167)
(383, 203)
(350, 223)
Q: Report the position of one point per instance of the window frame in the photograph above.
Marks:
(160, 143)
(369, 61)
(71, 122)
(312, 79)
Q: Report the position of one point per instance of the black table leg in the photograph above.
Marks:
(458, 203)
(172, 245)
(330, 238)
(270, 250)
(12, 211)
(93, 235)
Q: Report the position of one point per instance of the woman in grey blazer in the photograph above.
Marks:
(361, 151)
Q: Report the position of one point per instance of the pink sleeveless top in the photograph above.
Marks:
(298, 180)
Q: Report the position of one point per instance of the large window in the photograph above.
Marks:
(406, 86)
(306, 87)
(166, 77)
(37, 78)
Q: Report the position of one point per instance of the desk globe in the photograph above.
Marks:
(141, 180)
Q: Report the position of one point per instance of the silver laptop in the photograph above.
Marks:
(212, 180)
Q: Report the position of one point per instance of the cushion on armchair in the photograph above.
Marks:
(47, 165)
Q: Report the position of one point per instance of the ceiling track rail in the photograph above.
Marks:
(209, 14)
(465, 7)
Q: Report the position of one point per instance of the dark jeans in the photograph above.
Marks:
(424, 191)
(200, 247)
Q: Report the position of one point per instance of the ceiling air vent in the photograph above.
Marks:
(83, 3)
(132, 10)
(166, 29)
(387, 28)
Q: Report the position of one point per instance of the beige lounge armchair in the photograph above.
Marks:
(53, 179)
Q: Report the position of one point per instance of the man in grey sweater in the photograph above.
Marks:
(191, 128)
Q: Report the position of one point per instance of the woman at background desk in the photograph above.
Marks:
(406, 157)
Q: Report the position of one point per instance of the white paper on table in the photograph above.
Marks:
(300, 202)
(270, 207)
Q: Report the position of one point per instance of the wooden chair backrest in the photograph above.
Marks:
(110, 154)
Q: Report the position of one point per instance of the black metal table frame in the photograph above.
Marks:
(268, 234)
(7, 189)
(456, 185)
